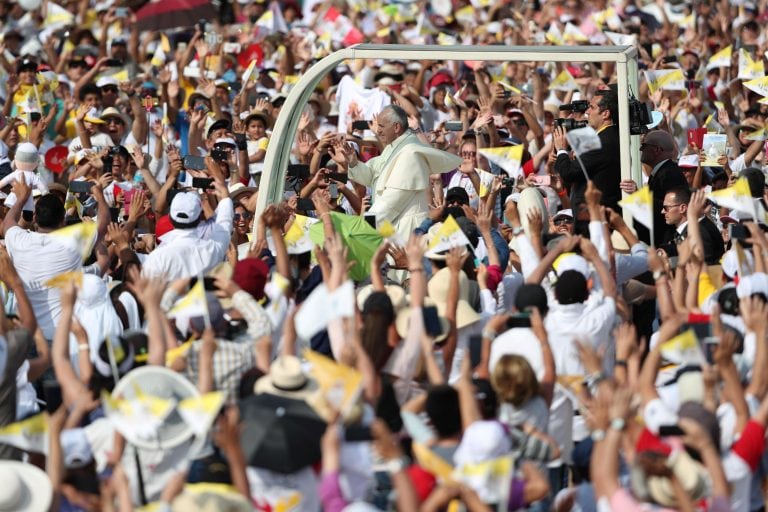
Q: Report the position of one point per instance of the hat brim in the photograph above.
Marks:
(265, 385)
(38, 490)
(465, 314)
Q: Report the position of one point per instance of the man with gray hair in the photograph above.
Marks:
(659, 152)
(399, 177)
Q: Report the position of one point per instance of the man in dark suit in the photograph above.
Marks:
(603, 166)
(675, 208)
(657, 152)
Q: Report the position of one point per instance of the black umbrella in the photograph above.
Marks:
(280, 433)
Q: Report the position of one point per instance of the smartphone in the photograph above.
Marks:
(333, 189)
(300, 171)
(114, 214)
(79, 186)
(454, 126)
(431, 321)
(193, 162)
(121, 12)
(220, 155)
(542, 181)
(338, 176)
(114, 63)
(305, 204)
(670, 430)
(52, 395)
(231, 48)
(669, 59)
(371, 220)
(710, 345)
(738, 231)
(358, 433)
(240, 138)
(360, 125)
(519, 320)
(202, 183)
(700, 324)
(475, 350)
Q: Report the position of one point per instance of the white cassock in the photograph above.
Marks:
(399, 179)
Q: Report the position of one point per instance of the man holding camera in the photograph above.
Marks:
(602, 165)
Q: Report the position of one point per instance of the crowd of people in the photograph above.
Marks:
(457, 304)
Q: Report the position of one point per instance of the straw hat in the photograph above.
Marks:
(438, 291)
(25, 488)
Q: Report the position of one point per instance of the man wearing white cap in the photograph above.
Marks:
(184, 252)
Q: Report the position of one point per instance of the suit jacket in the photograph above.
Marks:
(603, 168)
(711, 238)
(667, 177)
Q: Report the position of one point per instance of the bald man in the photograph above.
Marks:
(659, 152)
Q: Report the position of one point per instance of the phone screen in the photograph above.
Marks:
(52, 393)
(475, 350)
(432, 321)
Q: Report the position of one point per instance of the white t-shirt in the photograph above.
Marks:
(37, 258)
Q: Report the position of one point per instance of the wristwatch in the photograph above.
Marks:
(658, 274)
(618, 424)
(597, 435)
(518, 231)
(396, 465)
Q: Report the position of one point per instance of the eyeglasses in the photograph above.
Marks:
(468, 154)
(109, 88)
(113, 120)
(244, 216)
(667, 207)
(562, 220)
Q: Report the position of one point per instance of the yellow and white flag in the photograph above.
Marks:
(640, 206)
(194, 303)
(607, 17)
(62, 280)
(248, 73)
(510, 88)
(159, 57)
(491, 477)
(667, 79)
(81, 235)
(564, 82)
(736, 197)
(139, 416)
(572, 33)
(297, 239)
(584, 139)
(486, 182)
(749, 69)
(721, 59)
(621, 39)
(340, 384)
(29, 435)
(760, 134)
(199, 412)
(57, 16)
(73, 202)
(758, 85)
(683, 349)
(508, 158)
(444, 39)
(165, 43)
(554, 35)
(449, 235)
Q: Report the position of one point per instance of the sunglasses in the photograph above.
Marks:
(109, 88)
(244, 216)
(468, 154)
(562, 220)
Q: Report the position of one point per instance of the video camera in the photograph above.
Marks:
(577, 106)
(639, 116)
(570, 124)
